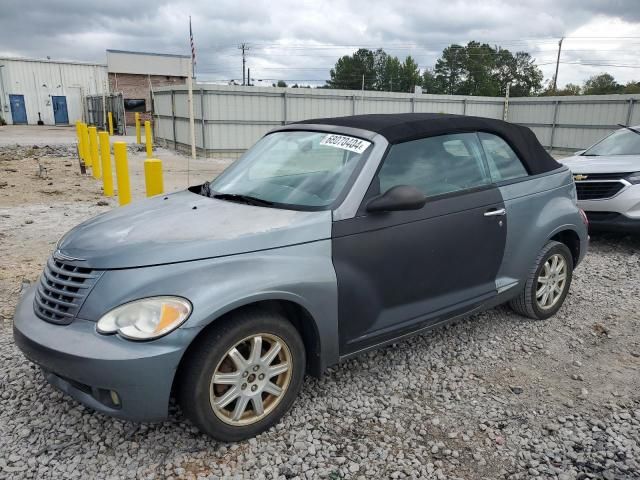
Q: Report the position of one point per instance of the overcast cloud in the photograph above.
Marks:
(300, 40)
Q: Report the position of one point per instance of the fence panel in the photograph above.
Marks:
(235, 117)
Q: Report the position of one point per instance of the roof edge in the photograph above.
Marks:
(153, 54)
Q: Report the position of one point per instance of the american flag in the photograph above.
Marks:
(193, 47)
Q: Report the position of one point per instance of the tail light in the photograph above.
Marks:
(585, 219)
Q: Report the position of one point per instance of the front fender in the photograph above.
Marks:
(302, 274)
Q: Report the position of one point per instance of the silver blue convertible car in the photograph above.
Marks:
(329, 237)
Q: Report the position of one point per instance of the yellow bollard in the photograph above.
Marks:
(85, 145)
(105, 157)
(93, 150)
(110, 117)
(148, 139)
(138, 141)
(122, 172)
(79, 134)
(153, 176)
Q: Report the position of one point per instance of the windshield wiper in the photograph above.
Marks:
(248, 199)
(629, 128)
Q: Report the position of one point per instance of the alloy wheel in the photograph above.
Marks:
(552, 281)
(251, 379)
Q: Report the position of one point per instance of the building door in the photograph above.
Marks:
(18, 110)
(60, 113)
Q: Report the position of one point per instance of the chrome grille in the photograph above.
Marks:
(62, 290)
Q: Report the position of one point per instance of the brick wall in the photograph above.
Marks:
(135, 86)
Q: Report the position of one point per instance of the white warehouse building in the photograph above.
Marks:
(47, 90)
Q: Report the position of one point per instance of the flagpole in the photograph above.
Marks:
(191, 119)
(190, 75)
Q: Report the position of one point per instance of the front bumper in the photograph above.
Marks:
(89, 366)
(612, 222)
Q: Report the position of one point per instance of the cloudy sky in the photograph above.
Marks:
(299, 40)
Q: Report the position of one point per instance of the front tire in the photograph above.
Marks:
(547, 284)
(242, 376)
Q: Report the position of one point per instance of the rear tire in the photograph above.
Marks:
(242, 376)
(547, 284)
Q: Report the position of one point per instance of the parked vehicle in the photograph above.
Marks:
(607, 177)
(327, 238)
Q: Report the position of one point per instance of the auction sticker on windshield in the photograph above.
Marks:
(346, 143)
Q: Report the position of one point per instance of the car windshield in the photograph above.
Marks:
(302, 169)
(620, 142)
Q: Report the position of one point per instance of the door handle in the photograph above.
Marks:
(498, 212)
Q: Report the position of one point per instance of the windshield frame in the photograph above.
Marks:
(351, 180)
(631, 130)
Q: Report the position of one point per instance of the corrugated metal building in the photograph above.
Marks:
(48, 90)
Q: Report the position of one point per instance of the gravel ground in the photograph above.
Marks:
(494, 396)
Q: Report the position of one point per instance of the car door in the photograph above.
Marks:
(401, 271)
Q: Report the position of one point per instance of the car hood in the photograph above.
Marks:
(186, 226)
(602, 164)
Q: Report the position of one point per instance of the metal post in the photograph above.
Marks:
(505, 111)
(284, 107)
(629, 111)
(204, 144)
(353, 105)
(413, 104)
(553, 125)
(2, 92)
(104, 107)
(105, 160)
(122, 172)
(173, 118)
(153, 177)
(464, 106)
(192, 127)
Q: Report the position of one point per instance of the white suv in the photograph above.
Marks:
(607, 177)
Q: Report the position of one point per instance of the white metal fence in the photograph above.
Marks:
(235, 117)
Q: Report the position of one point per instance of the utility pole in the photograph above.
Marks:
(245, 48)
(555, 77)
(363, 93)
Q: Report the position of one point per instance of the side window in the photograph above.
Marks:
(435, 165)
(503, 163)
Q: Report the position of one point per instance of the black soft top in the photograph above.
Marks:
(402, 127)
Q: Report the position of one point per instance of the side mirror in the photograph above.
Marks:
(400, 197)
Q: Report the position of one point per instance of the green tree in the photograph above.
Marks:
(602, 84)
(381, 72)
(569, 89)
(449, 70)
(479, 69)
(479, 66)
(281, 83)
(350, 69)
(431, 84)
(409, 75)
(632, 87)
(527, 77)
(387, 72)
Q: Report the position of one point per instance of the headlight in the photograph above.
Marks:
(633, 178)
(146, 319)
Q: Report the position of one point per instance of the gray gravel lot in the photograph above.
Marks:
(494, 396)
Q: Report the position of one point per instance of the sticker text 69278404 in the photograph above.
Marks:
(346, 143)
